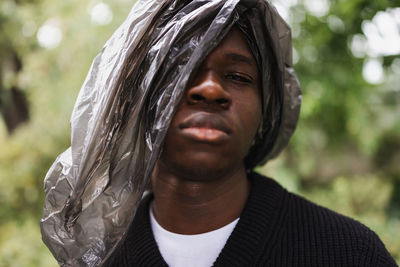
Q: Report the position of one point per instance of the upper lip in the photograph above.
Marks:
(205, 120)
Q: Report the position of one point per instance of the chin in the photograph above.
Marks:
(206, 168)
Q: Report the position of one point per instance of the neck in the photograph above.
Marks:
(190, 207)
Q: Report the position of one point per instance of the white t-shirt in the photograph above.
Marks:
(199, 250)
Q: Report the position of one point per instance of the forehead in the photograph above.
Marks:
(235, 46)
(233, 50)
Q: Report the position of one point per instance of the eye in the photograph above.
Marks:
(241, 78)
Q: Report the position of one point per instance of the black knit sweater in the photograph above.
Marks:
(276, 228)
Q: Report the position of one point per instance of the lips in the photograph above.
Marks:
(205, 127)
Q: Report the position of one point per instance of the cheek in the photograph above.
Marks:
(249, 108)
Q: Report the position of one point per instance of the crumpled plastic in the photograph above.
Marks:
(126, 104)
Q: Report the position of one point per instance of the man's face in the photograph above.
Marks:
(218, 116)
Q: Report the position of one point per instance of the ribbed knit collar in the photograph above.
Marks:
(252, 235)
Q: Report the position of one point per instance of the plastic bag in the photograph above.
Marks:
(126, 104)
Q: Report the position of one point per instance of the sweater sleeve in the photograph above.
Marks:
(383, 258)
(376, 254)
(327, 238)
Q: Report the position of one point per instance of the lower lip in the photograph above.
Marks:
(205, 134)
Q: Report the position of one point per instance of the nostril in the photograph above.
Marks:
(222, 101)
(197, 97)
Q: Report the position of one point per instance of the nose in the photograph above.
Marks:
(208, 89)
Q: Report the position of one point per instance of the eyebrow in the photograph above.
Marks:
(241, 58)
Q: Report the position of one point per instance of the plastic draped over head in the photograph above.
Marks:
(127, 102)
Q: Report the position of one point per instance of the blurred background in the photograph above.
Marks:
(345, 154)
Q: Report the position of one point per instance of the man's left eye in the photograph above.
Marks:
(239, 78)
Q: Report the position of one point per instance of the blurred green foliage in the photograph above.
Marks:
(344, 154)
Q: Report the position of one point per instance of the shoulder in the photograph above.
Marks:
(314, 231)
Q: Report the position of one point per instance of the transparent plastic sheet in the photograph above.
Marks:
(126, 104)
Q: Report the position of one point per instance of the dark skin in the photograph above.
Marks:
(200, 182)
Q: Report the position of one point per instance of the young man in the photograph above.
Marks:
(205, 93)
